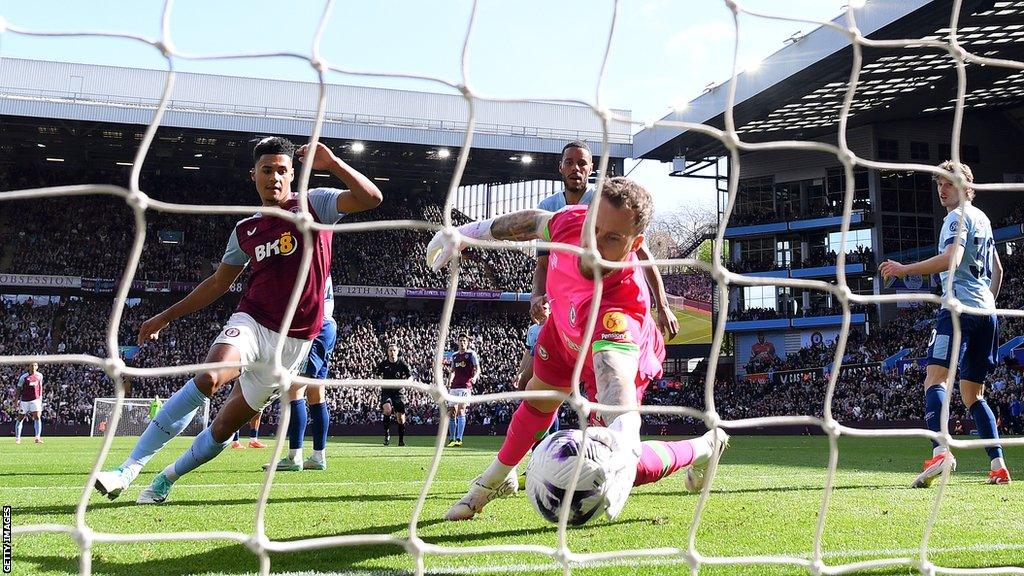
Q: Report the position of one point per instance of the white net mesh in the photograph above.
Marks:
(257, 540)
(135, 417)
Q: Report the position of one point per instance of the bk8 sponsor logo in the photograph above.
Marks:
(285, 246)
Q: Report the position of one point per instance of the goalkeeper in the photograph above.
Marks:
(623, 356)
(154, 407)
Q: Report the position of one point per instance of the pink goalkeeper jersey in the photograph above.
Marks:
(625, 309)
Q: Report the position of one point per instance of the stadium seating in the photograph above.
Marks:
(97, 241)
(36, 244)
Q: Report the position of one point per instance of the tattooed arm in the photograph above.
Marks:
(521, 225)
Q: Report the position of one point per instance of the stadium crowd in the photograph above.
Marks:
(863, 393)
(39, 244)
(747, 213)
(818, 257)
(814, 309)
(693, 285)
(78, 326)
(395, 258)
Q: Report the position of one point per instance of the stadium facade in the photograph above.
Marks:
(787, 215)
(64, 117)
(91, 113)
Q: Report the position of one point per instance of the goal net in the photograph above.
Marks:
(681, 549)
(134, 417)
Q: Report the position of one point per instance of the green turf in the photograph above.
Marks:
(694, 327)
(765, 501)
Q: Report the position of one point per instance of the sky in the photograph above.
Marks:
(663, 52)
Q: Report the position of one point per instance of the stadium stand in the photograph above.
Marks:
(868, 394)
(35, 243)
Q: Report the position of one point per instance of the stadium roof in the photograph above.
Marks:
(84, 92)
(797, 92)
(79, 114)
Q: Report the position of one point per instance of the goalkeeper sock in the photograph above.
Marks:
(37, 426)
(321, 419)
(985, 420)
(933, 399)
(172, 418)
(203, 449)
(528, 425)
(17, 428)
(660, 459)
(297, 424)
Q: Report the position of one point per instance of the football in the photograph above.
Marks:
(551, 468)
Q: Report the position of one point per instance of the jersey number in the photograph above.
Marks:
(982, 267)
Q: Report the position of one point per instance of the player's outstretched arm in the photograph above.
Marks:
(202, 296)
(934, 265)
(667, 322)
(362, 193)
(521, 225)
(518, 226)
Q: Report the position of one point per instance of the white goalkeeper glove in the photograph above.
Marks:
(443, 247)
(620, 470)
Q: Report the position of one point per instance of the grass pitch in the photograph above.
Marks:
(694, 327)
(765, 501)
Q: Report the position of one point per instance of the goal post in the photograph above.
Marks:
(135, 417)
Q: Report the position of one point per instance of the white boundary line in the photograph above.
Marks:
(651, 562)
(183, 486)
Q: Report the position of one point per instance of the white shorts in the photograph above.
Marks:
(464, 392)
(256, 343)
(32, 407)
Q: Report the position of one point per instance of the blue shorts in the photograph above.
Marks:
(320, 351)
(978, 344)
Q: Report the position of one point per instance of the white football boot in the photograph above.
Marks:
(112, 482)
(479, 495)
(694, 479)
